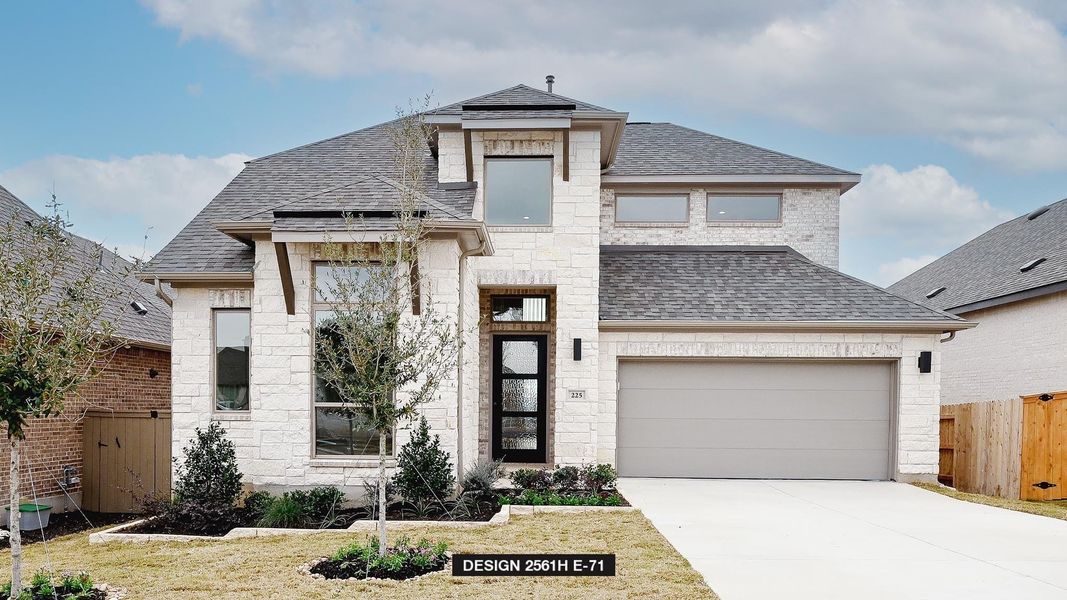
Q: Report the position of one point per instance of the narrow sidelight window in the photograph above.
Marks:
(765, 208)
(652, 209)
(233, 337)
(518, 191)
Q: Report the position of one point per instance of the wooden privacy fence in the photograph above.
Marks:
(125, 454)
(1007, 448)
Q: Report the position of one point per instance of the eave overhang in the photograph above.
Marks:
(809, 326)
(843, 182)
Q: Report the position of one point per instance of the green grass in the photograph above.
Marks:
(1056, 509)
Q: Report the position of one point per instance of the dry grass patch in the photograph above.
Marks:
(1056, 509)
(646, 565)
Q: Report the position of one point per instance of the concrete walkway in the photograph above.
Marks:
(872, 540)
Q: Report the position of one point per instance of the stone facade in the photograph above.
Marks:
(917, 401)
(1016, 350)
(55, 443)
(809, 224)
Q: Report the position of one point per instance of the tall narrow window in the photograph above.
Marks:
(233, 337)
(518, 191)
(339, 431)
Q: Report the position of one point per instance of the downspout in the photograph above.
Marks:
(459, 355)
(163, 295)
(951, 336)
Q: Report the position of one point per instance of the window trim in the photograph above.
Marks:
(551, 188)
(548, 307)
(707, 213)
(688, 208)
(215, 410)
(316, 305)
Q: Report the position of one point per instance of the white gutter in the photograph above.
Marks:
(459, 353)
(924, 326)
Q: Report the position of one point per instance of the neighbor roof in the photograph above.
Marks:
(723, 284)
(669, 149)
(986, 271)
(152, 328)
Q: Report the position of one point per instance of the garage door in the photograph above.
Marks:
(731, 419)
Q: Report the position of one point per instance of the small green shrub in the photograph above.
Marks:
(256, 504)
(68, 586)
(479, 479)
(566, 478)
(535, 498)
(401, 561)
(208, 476)
(531, 479)
(424, 471)
(285, 511)
(597, 478)
(321, 504)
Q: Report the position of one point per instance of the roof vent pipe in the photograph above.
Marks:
(550, 79)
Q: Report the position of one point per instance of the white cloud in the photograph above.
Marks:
(993, 87)
(117, 201)
(894, 271)
(922, 207)
(194, 89)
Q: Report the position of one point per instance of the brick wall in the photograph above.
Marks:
(918, 409)
(1017, 349)
(809, 224)
(56, 442)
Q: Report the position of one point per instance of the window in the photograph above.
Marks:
(744, 208)
(518, 191)
(233, 336)
(652, 209)
(339, 431)
(527, 309)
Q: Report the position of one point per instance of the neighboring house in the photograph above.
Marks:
(642, 294)
(137, 378)
(1011, 279)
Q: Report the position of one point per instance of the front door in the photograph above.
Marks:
(520, 364)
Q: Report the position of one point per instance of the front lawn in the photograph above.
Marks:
(266, 567)
(1056, 509)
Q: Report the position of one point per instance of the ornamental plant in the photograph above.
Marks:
(424, 471)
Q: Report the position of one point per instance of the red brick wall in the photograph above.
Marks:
(56, 442)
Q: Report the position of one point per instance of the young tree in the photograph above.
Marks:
(56, 293)
(386, 347)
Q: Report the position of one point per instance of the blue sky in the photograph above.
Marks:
(139, 113)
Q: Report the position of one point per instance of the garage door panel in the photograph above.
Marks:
(753, 464)
(740, 404)
(730, 374)
(754, 434)
(755, 419)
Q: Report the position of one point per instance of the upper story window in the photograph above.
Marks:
(518, 191)
(233, 340)
(755, 207)
(660, 208)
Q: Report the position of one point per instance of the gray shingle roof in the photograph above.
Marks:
(523, 95)
(723, 284)
(333, 172)
(152, 327)
(987, 267)
(668, 149)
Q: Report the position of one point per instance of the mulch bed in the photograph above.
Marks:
(61, 524)
(357, 569)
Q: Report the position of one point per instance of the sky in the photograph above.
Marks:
(135, 114)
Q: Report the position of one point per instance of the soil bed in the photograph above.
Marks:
(61, 524)
(356, 568)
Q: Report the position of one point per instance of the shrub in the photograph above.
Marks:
(321, 504)
(285, 511)
(400, 561)
(208, 476)
(68, 586)
(531, 479)
(566, 478)
(424, 471)
(479, 479)
(597, 478)
(256, 504)
(535, 498)
(370, 494)
(192, 518)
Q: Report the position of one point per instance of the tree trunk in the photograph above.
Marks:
(381, 494)
(13, 525)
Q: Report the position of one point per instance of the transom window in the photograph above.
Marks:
(233, 340)
(525, 309)
(664, 208)
(725, 208)
(518, 191)
(338, 430)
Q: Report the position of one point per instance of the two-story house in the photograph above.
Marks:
(643, 294)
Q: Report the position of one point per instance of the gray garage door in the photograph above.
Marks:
(731, 419)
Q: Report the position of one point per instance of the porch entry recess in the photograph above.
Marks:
(520, 367)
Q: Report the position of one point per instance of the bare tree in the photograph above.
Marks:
(385, 348)
(56, 291)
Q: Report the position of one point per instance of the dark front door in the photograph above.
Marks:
(520, 365)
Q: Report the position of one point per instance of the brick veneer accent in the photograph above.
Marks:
(55, 442)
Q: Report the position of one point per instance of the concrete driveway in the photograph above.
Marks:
(841, 539)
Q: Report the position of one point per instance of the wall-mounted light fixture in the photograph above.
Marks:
(926, 361)
(577, 348)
